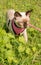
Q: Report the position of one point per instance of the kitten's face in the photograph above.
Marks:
(22, 18)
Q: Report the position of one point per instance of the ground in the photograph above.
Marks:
(14, 50)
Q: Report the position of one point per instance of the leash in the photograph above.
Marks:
(34, 27)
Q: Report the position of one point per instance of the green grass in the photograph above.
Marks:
(15, 51)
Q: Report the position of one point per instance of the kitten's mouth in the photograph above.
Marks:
(21, 24)
(25, 24)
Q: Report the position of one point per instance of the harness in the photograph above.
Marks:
(16, 29)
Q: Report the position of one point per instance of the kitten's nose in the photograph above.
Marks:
(25, 24)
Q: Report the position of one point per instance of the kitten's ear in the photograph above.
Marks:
(28, 12)
(17, 14)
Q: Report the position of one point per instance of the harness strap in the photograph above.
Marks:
(17, 30)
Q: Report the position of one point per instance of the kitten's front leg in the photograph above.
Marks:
(25, 35)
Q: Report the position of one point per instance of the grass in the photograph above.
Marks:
(15, 51)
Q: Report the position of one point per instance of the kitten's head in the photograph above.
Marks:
(22, 18)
